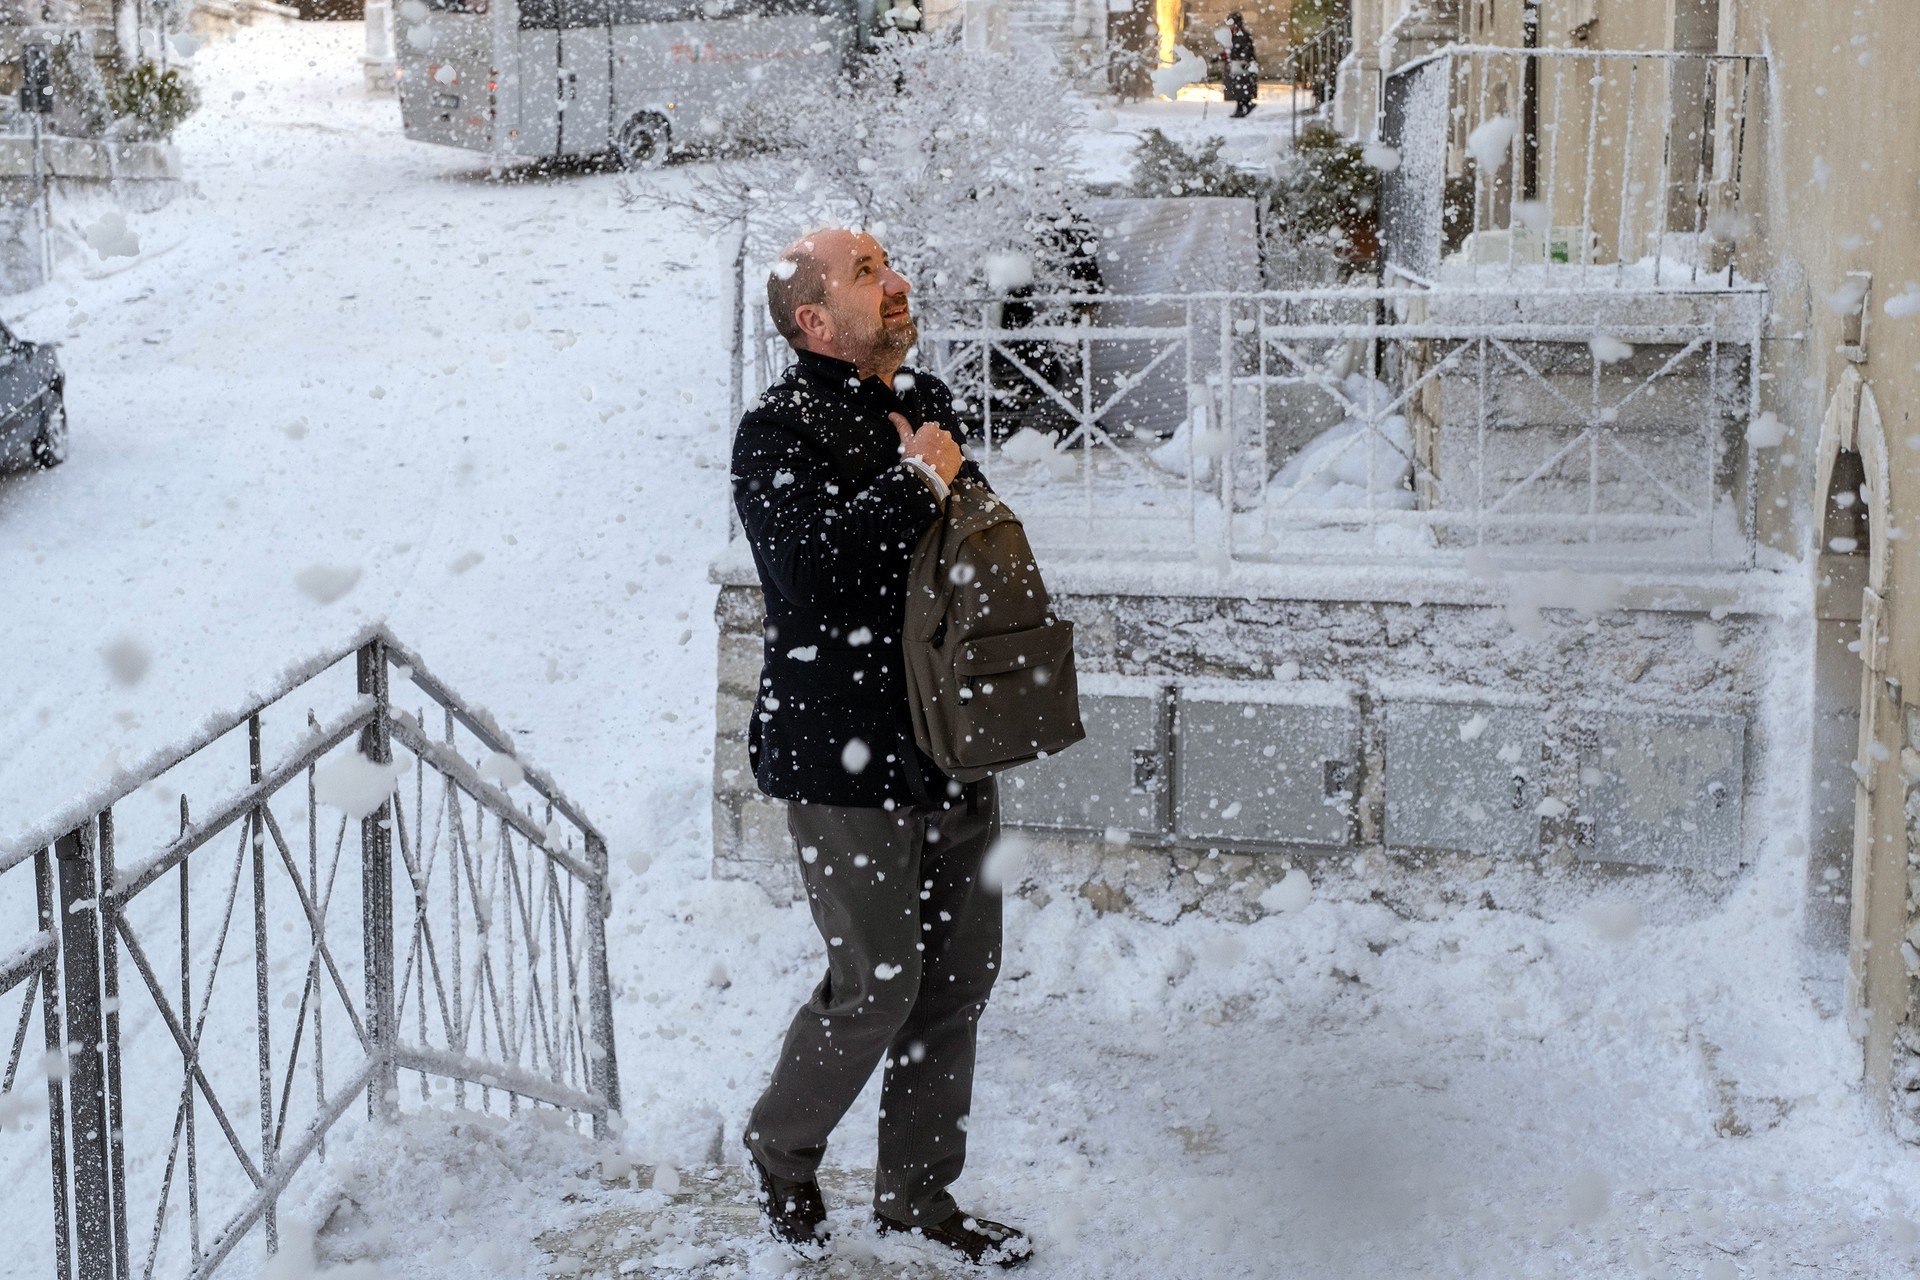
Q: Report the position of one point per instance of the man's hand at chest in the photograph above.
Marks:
(930, 450)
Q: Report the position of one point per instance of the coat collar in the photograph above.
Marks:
(840, 376)
(828, 371)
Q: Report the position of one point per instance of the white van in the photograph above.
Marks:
(532, 78)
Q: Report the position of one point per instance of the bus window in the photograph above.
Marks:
(547, 15)
(642, 11)
(781, 7)
(457, 6)
(627, 12)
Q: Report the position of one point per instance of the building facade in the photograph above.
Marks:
(1782, 132)
(1112, 45)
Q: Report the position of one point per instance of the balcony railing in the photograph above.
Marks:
(1570, 168)
(1361, 425)
(193, 1071)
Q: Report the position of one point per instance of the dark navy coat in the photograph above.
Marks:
(833, 516)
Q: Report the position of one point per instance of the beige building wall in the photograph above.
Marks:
(1624, 144)
(1839, 212)
(1827, 208)
(1268, 21)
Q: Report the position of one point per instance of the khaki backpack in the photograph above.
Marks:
(989, 668)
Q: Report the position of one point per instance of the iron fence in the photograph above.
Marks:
(183, 1110)
(1623, 169)
(30, 974)
(1362, 425)
(1312, 67)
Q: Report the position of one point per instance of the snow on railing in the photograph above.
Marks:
(1603, 168)
(1360, 425)
(475, 963)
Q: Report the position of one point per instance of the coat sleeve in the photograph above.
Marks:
(940, 402)
(814, 538)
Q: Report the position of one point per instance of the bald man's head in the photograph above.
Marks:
(799, 279)
(834, 292)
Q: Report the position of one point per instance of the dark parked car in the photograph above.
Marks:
(33, 409)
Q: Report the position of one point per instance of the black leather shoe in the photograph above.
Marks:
(979, 1240)
(793, 1212)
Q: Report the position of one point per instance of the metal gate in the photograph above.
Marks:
(180, 1110)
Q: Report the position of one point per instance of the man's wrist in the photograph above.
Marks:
(926, 472)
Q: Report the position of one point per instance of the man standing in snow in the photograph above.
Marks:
(837, 471)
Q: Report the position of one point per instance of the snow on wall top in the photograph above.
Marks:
(1751, 592)
(1276, 692)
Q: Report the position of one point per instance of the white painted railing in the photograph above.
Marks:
(1363, 425)
(1610, 168)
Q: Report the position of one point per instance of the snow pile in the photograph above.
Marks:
(1364, 461)
(1191, 453)
(444, 1192)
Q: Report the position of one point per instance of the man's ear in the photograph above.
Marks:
(815, 323)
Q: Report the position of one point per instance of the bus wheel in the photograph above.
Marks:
(641, 142)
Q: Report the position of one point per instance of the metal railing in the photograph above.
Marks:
(1597, 167)
(1362, 425)
(181, 1109)
(1312, 67)
(30, 973)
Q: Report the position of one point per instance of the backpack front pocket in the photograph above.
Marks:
(1017, 697)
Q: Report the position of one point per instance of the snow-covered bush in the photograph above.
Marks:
(1323, 198)
(152, 102)
(1333, 196)
(958, 162)
(81, 105)
(1162, 167)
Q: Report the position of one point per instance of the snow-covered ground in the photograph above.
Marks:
(503, 403)
(1112, 133)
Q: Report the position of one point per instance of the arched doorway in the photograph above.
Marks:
(1842, 564)
(1876, 969)
(1851, 683)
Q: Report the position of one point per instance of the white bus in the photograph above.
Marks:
(534, 78)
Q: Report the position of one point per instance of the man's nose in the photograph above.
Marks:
(895, 283)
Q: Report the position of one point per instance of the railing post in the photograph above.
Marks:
(376, 888)
(50, 1026)
(262, 979)
(603, 1070)
(110, 988)
(736, 379)
(95, 1210)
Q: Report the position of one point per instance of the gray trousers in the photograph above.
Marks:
(913, 947)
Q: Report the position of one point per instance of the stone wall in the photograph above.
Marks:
(1662, 650)
(1906, 1049)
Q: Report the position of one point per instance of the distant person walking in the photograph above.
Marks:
(1241, 70)
(837, 472)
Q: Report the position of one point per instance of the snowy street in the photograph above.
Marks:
(348, 377)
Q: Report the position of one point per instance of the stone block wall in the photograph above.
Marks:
(1663, 649)
(1906, 1047)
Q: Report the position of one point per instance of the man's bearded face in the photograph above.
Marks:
(867, 300)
